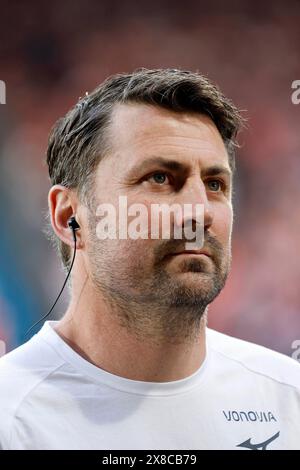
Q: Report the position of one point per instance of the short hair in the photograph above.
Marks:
(79, 140)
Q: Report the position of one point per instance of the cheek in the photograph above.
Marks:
(222, 224)
(147, 225)
(133, 255)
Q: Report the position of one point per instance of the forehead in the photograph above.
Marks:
(139, 131)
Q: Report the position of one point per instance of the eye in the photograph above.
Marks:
(215, 185)
(159, 178)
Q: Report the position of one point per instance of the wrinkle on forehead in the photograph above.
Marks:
(138, 132)
(138, 124)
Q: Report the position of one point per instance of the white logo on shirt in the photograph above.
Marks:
(262, 416)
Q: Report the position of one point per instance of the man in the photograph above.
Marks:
(131, 364)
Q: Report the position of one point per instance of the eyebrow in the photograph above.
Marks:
(217, 170)
(174, 165)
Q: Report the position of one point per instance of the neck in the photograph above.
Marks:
(92, 330)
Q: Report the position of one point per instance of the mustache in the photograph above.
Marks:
(168, 247)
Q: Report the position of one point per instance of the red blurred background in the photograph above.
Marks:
(52, 53)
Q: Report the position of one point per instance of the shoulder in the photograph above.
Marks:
(255, 358)
(21, 372)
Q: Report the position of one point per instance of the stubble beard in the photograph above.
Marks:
(158, 307)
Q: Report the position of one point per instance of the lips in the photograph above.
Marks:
(192, 252)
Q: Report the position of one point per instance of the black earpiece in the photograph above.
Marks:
(73, 224)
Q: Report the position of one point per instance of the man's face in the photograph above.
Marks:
(157, 289)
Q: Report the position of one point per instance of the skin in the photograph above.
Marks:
(136, 309)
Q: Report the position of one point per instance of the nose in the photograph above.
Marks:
(194, 195)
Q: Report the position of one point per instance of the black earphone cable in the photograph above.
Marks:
(45, 316)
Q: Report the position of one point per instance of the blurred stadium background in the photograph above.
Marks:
(53, 52)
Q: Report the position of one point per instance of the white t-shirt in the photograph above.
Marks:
(243, 396)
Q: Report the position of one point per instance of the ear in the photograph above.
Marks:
(63, 204)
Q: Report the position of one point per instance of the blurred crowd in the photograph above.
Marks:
(52, 53)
